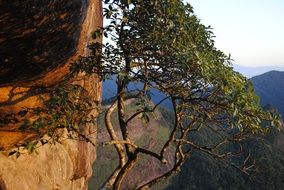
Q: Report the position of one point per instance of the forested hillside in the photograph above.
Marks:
(162, 47)
(204, 172)
(270, 87)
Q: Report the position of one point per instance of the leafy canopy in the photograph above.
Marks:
(162, 45)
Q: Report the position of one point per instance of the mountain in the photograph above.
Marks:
(254, 71)
(150, 136)
(204, 172)
(270, 88)
(110, 90)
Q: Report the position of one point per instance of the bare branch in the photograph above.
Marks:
(174, 131)
(120, 142)
(148, 111)
(119, 148)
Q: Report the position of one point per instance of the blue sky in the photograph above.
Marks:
(251, 30)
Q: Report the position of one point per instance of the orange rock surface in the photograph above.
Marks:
(61, 166)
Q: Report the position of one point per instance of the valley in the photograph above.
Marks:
(201, 172)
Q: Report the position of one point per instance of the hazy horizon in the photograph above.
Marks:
(251, 31)
(250, 72)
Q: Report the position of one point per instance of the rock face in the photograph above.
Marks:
(39, 40)
(37, 36)
(65, 166)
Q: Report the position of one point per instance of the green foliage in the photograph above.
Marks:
(163, 45)
(107, 158)
(65, 107)
(269, 175)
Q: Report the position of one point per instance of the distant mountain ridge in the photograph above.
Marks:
(270, 88)
(250, 72)
(270, 157)
(205, 173)
(110, 90)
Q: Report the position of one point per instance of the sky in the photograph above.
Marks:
(252, 31)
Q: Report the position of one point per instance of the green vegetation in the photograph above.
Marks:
(65, 106)
(204, 172)
(270, 91)
(268, 153)
(149, 136)
(162, 45)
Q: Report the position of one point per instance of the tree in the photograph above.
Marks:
(163, 45)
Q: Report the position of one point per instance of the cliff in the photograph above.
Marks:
(39, 41)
